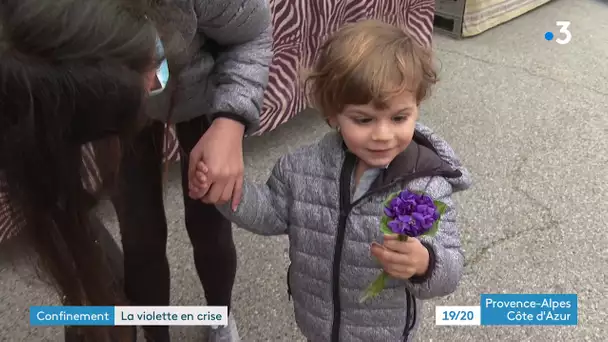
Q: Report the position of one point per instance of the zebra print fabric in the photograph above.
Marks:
(300, 26)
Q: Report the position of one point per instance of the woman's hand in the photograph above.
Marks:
(401, 259)
(221, 151)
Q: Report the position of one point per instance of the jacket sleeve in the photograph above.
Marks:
(446, 259)
(242, 29)
(263, 208)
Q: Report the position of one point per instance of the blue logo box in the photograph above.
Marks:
(529, 309)
(71, 315)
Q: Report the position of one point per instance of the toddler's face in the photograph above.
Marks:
(378, 136)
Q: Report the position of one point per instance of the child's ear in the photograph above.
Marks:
(332, 122)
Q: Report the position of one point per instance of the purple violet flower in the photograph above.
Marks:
(408, 214)
(411, 214)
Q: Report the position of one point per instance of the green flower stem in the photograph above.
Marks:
(378, 285)
(375, 287)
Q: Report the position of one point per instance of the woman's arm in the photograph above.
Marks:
(242, 31)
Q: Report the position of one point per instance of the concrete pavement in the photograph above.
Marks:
(530, 120)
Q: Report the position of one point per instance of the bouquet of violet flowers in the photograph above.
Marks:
(407, 214)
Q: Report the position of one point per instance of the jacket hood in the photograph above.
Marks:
(446, 154)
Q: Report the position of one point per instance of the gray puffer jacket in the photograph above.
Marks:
(311, 197)
(222, 50)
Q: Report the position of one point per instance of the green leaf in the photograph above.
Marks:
(441, 207)
(375, 287)
(384, 225)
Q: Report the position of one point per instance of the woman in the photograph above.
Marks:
(219, 77)
(72, 72)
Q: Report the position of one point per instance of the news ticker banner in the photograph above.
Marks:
(494, 309)
(513, 309)
(127, 315)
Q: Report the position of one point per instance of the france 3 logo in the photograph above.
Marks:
(565, 34)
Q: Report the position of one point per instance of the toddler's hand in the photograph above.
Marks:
(401, 259)
(198, 184)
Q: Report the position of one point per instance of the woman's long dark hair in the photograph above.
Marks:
(70, 73)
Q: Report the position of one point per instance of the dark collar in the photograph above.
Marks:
(420, 158)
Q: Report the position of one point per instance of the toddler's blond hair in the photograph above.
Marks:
(369, 62)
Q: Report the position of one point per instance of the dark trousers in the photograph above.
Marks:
(143, 225)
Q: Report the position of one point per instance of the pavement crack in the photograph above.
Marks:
(544, 211)
(477, 258)
(525, 70)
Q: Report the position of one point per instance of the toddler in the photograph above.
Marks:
(368, 83)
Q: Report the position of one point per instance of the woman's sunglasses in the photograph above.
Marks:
(162, 72)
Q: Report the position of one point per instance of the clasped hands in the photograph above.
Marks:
(220, 151)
